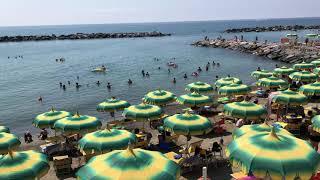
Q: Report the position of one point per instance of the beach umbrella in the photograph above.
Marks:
(77, 124)
(106, 140)
(283, 71)
(316, 71)
(234, 89)
(112, 105)
(187, 124)
(47, 119)
(257, 128)
(159, 97)
(199, 87)
(23, 165)
(195, 100)
(289, 97)
(130, 164)
(4, 129)
(291, 35)
(303, 66)
(312, 35)
(228, 80)
(8, 142)
(316, 123)
(310, 89)
(272, 82)
(245, 110)
(303, 76)
(143, 112)
(278, 156)
(316, 63)
(261, 74)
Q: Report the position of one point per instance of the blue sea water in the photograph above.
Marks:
(22, 81)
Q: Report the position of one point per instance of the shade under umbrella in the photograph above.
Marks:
(130, 164)
(159, 97)
(279, 156)
(112, 105)
(303, 66)
(310, 89)
(199, 87)
(283, 71)
(47, 119)
(8, 142)
(195, 100)
(261, 74)
(106, 140)
(187, 124)
(272, 82)
(143, 112)
(303, 76)
(289, 97)
(245, 110)
(78, 124)
(234, 89)
(4, 129)
(23, 165)
(228, 80)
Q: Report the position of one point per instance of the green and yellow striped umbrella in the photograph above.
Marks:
(199, 87)
(8, 142)
(291, 35)
(312, 35)
(310, 89)
(4, 129)
(283, 71)
(279, 156)
(159, 97)
(77, 124)
(23, 165)
(106, 140)
(130, 164)
(47, 119)
(234, 89)
(143, 112)
(228, 80)
(194, 100)
(261, 74)
(112, 105)
(316, 70)
(303, 66)
(272, 82)
(303, 76)
(316, 123)
(187, 124)
(257, 128)
(289, 97)
(316, 63)
(245, 110)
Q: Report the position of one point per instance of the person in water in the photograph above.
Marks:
(64, 87)
(217, 77)
(142, 72)
(40, 99)
(147, 74)
(213, 63)
(185, 76)
(129, 82)
(103, 67)
(199, 69)
(277, 66)
(78, 77)
(174, 80)
(69, 83)
(169, 70)
(218, 64)
(78, 85)
(159, 67)
(258, 69)
(60, 83)
(98, 83)
(109, 85)
(207, 68)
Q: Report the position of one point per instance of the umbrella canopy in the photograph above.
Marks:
(8, 142)
(234, 89)
(261, 74)
(228, 80)
(130, 164)
(47, 119)
(272, 82)
(291, 35)
(78, 124)
(312, 35)
(4, 129)
(245, 110)
(194, 100)
(187, 124)
(159, 97)
(310, 89)
(316, 123)
(289, 97)
(112, 105)
(303, 66)
(106, 140)
(199, 87)
(303, 76)
(316, 63)
(143, 112)
(23, 165)
(278, 155)
(257, 128)
(316, 70)
(283, 71)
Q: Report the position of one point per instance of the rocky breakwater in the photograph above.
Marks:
(276, 51)
(79, 36)
(272, 28)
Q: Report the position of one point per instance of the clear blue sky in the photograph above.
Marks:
(52, 12)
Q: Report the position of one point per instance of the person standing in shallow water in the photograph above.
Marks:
(174, 80)
(185, 76)
(109, 86)
(142, 72)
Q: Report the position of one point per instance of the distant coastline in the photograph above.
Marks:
(272, 28)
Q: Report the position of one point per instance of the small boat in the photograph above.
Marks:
(99, 69)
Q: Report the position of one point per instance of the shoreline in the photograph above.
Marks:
(81, 36)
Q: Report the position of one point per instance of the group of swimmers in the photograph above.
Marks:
(16, 57)
(60, 60)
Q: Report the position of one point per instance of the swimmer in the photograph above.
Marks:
(98, 83)
(103, 67)
(199, 69)
(169, 70)
(218, 64)
(142, 72)
(60, 83)
(229, 75)
(8, 57)
(129, 82)
(78, 85)
(213, 63)
(77, 77)
(277, 66)
(109, 85)
(64, 87)
(185, 76)
(208, 64)
(69, 83)
(258, 69)
(147, 74)
(207, 68)
(174, 80)
(40, 99)
(217, 77)
(159, 68)
(194, 74)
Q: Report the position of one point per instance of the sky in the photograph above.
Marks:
(56, 12)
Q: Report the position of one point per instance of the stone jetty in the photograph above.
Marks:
(79, 36)
(272, 28)
(282, 52)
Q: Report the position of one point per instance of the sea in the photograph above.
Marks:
(23, 80)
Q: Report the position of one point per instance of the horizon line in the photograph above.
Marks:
(160, 22)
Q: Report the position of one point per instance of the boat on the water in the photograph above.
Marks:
(99, 69)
